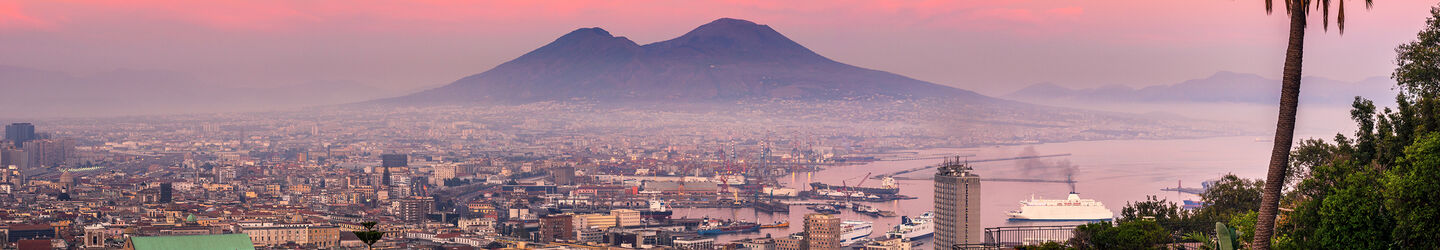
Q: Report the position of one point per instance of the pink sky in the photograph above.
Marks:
(989, 46)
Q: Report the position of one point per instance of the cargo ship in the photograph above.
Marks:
(717, 227)
(852, 231)
(1073, 208)
(887, 187)
(913, 228)
(659, 211)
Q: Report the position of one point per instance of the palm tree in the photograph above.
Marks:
(1289, 99)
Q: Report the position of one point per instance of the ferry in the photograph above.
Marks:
(1072, 208)
(914, 228)
(852, 231)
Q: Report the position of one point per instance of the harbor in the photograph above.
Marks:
(1104, 175)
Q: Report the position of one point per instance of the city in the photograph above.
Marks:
(710, 125)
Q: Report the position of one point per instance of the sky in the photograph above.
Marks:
(993, 47)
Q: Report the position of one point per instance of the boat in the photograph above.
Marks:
(888, 187)
(825, 209)
(717, 227)
(659, 211)
(913, 228)
(871, 211)
(852, 231)
(1073, 208)
(778, 224)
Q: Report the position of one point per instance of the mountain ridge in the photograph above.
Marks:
(726, 59)
(1221, 87)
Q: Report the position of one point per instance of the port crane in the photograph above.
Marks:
(849, 191)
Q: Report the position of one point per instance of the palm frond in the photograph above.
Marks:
(1340, 17)
(1325, 13)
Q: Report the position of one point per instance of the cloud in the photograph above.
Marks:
(13, 17)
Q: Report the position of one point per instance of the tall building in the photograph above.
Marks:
(49, 152)
(563, 175)
(167, 192)
(957, 205)
(19, 133)
(557, 227)
(394, 160)
(822, 232)
(413, 209)
(388, 161)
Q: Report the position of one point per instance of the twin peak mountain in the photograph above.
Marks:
(727, 59)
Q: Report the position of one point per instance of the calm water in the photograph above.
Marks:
(1113, 172)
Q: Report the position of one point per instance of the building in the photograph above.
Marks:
(49, 152)
(302, 234)
(563, 175)
(388, 161)
(626, 217)
(822, 232)
(413, 209)
(695, 243)
(394, 160)
(957, 206)
(766, 243)
(167, 192)
(889, 244)
(792, 242)
(19, 133)
(16, 233)
(193, 242)
(557, 227)
(600, 221)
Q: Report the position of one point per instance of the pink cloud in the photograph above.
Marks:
(13, 17)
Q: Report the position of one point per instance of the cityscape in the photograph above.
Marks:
(747, 126)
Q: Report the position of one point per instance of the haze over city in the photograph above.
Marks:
(719, 124)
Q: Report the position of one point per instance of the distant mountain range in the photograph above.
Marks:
(727, 59)
(1222, 87)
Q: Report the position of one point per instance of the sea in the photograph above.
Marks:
(1113, 172)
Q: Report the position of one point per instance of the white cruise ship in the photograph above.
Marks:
(913, 228)
(1069, 209)
(854, 230)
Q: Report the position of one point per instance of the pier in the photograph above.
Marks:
(897, 173)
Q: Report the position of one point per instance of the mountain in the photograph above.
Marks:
(1222, 87)
(727, 59)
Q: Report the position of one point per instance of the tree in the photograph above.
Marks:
(1289, 102)
(370, 235)
(1166, 213)
(1229, 196)
(1137, 234)
(1412, 188)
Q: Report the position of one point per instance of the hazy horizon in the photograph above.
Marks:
(383, 50)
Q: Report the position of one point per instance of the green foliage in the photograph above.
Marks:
(1244, 225)
(370, 236)
(1413, 189)
(1225, 237)
(1135, 234)
(1163, 212)
(1229, 196)
(1048, 245)
(1351, 219)
(1209, 243)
